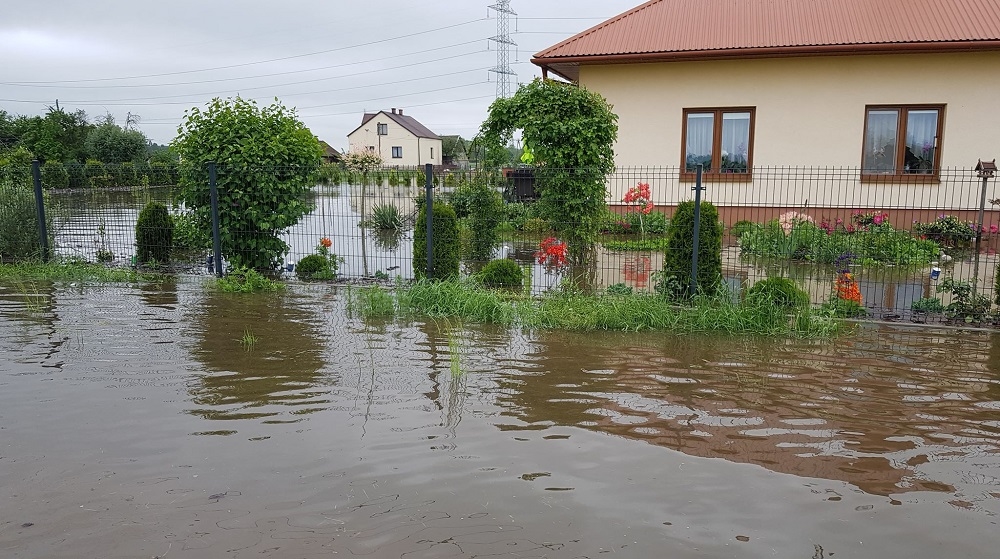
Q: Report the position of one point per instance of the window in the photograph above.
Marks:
(383, 129)
(432, 154)
(397, 152)
(920, 151)
(721, 140)
(371, 148)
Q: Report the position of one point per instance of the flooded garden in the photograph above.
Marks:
(169, 420)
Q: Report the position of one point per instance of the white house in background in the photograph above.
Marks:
(400, 139)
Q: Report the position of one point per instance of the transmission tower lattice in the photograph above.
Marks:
(504, 74)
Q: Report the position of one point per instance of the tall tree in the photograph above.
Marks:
(111, 143)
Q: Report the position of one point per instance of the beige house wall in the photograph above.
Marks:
(810, 112)
(416, 151)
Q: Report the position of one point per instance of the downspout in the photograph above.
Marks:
(418, 151)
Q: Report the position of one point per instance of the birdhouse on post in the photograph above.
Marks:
(986, 169)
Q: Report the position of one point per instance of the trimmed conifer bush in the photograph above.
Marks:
(446, 243)
(154, 234)
(676, 277)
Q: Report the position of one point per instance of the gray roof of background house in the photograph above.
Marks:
(406, 121)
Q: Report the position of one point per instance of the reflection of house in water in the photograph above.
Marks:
(854, 411)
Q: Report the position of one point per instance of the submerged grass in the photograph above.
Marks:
(70, 270)
(584, 312)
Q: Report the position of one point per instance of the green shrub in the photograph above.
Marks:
(877, 244)
(19, 236)
(842, 308)
(502, 273)
(247, 280)
(446, 243)
(462, 200)
(966, 305)
(320, 266)
(680, 250)
(126, 175)
(485, 217)
(54, 175)
(537, 225)
(619, 289)
(780, 292)
(95, 174)
(267, 161)
(742, 226)
(386, 217)
(947, 230)
(159, 174)
(927, 304)
(189, 234)
(77, 175)
(154, 234)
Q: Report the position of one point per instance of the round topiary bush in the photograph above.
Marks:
(154, 234)
(502, 273)
(447, 244)
(779, 292)
(311, 266)
(676, 278)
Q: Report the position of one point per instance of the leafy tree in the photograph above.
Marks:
(266, 161)
(570, 130)
(58, 136)
(111, 143)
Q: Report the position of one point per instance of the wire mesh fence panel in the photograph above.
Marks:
(20, 236)
(902, 239)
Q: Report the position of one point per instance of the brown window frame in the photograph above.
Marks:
(717, 175)
(899, 175)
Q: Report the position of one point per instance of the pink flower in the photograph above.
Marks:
(994, 229)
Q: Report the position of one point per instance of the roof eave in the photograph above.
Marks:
(552, 62)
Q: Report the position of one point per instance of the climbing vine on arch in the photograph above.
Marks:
(571, 132)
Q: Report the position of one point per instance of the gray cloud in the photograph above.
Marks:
(332, 60)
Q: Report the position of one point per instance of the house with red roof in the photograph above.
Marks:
(891, 94)
(400, 139)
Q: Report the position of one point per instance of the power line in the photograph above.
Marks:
(28, 84)
(245, 64)
(409, 106)
(141, 101)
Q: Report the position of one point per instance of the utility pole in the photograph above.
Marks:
(504, 42)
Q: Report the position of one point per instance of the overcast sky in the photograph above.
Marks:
(332, 59)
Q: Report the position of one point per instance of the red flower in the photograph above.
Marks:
(325, 242)
(552, 253)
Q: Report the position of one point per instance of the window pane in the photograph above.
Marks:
(921, 130)
(880, 141)
(700, 130)
(735, 142)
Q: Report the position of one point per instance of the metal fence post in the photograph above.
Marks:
(216, 235)
(429, 205)
(979, 227)
(43, 234)
(697, 226)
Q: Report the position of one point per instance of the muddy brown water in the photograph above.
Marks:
(135, 424)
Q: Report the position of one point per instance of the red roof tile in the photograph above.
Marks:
(707, 29)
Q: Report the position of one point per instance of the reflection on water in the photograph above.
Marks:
(869, 409)
(277, 376)
(437, 438)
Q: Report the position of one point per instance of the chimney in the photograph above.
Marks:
(400, 112)
(394, 110)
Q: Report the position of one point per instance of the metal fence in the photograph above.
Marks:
(792, 222)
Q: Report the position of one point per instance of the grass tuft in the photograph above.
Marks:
(585, 312)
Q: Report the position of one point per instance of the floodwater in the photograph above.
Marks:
(134, 423)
